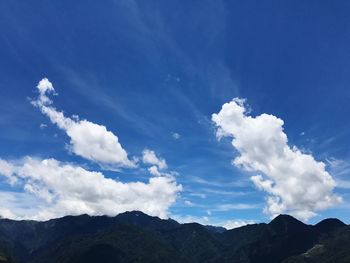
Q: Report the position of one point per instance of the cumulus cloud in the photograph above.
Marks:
(53, 189)
(6, 170)
(67, 189)
(17, 205)
(6, 213)
(153, 170)
(149, 157)
(87, 139)
(157, 165)
(295, 182)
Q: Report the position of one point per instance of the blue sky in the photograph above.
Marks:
(154, 72)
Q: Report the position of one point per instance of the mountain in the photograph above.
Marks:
(333, 245)
(137, 237)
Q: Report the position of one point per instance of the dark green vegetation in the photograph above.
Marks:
(331, 248)
(136, 237)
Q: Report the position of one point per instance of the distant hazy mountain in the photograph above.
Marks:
(137, 237)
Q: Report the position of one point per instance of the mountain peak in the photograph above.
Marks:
(283, 223)
(329, 224)
(285, 218)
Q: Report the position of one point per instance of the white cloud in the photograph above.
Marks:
(201, 195)
(158, 164)
(176, 135)
(204, 220)
(189, 203)
(66, 189)
(231, 224)
(149, 157)
(295, 181)
(17, 205)
(229, 207)
(344, 184)
(45, 87)
(6, 213)
(87, 139)
(153, 170)
(336, 163)
(6, 170)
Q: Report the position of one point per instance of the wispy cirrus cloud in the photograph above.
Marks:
(242, 182)
(237, 206)
(341, 170)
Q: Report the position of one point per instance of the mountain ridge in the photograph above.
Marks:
(137, 237)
